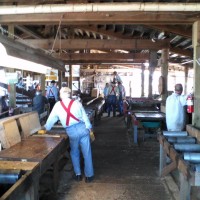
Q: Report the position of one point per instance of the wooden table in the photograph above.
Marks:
(27, 186)
(45, 150)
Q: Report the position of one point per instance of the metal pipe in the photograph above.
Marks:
(187, 147)
(99, 7)
(175, 133)
(185, 140)
(192, 157)
(9, 176)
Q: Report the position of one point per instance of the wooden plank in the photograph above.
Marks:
(29, 124)
(9, 133)
(193, 131)
(45, 150)
(169, 168)
(183, 167)
(18, 165)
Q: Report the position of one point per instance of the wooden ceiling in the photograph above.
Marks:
(103, 37)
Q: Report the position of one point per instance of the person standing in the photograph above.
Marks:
(116, 78)
(52, 95)
(39, 102)
(122, 96)
(75, 120)
(4, 106)
(113, 94)
(105, 93)
(176, 110)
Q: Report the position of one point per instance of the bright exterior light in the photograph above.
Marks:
(146, 64)
(18, 63)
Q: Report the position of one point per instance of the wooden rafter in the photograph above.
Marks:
(156, 18)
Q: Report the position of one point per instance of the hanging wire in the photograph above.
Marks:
(56, 35)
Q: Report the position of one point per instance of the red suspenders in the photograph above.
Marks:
(113, 90)
(50, 91)
(69, 114)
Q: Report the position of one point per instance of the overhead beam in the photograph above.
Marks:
(96, 58)
(77, 18)
(23, 51)
(99, 7)
(80, 44)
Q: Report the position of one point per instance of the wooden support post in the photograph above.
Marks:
(162, 159)
(196, 47)
(185, 188)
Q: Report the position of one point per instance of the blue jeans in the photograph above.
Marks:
(112, 100)
(79, 136)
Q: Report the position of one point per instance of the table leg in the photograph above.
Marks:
(135, 133)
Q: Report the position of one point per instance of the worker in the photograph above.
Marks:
(105, 93)
(122, 96)
(4, 106)
(39, 102)
(116, 77)
(113, 95)
(52, 95)
(176, 110)
(75, 120)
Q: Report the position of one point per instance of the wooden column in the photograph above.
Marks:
(196, 56)
(186, 79)
(164, 72)
(70, 77)
(42, 83)
(152, 66)
(142, 80)
(12, 87)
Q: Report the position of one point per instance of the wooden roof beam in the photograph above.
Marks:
(78, 44)
(103, 58)
(155, 18)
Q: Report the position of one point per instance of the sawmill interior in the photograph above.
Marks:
(148, 46)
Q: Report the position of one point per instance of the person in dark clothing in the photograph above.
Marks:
(39, 102)
(4, 106)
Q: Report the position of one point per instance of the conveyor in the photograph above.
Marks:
(184, 153)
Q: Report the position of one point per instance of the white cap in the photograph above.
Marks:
(64, 92)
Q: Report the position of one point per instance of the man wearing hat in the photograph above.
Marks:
(75, 120)
(52, 95)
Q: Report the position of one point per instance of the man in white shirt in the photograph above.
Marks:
(176, 110)
(75, 120)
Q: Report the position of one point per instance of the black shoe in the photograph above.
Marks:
(89, 179)
(77, 177)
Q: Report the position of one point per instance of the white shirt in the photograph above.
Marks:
(175, 112)
(52, 91)
(58, 113)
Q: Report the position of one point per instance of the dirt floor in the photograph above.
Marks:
(123, 170)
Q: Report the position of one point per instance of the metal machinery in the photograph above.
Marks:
(144, 113)
(181, 150)
(95, 104)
